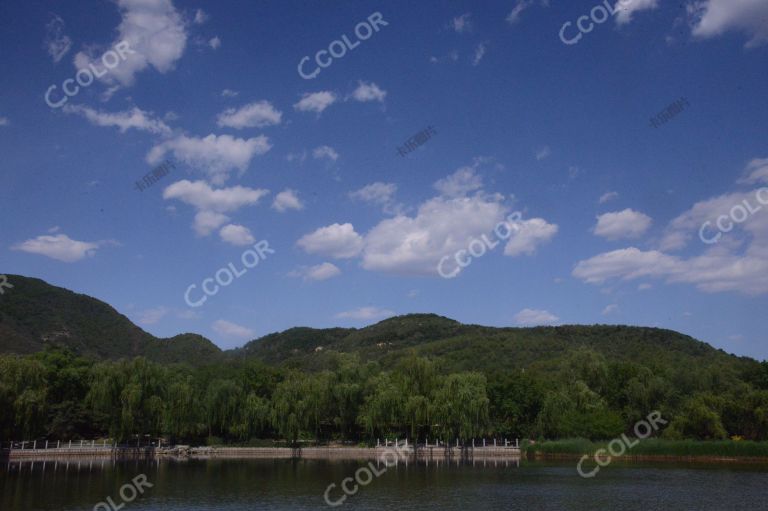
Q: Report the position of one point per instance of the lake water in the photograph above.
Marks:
(277, 485)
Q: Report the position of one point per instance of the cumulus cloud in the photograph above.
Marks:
(380, 194)
(338, 240)
(625, 9)
(622, 224)
(534, 317)
(712, 18)
(60, 247)
(325, 152)
(252, 115)
(135, 118)
(216, 156)
(200, 195)
(460, 183)
(211, 204)
(315, 101)
(608, 196)
(236, 235)
(156, 35)
(229, 329)
(287, 199)
(530, 234)
(57, 42)
(318, 272)
(365, 314)
(368, 92)
(208, 221)
(414, 245)
(756, 172)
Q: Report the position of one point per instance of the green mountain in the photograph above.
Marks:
(35, 314)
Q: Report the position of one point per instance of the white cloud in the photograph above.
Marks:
(543, 153)
(337, 240)
(326, 152)
(216, 155)
(154, 31)
(318, 272)
(236, 235)
(479, 54)
(441, 226)
(622, 224)
(229, 93)
(368, 92)
(60, 247)
(711, 18)
(608, 196)
(529, 236)
(533, 317)
(152, 316)
(200, 17)
(381, 194)
(315, 101)
(214, 43)
(625, 9)
(56, 41)
(610, 309)
(229, 329)
(756, 172)
(287, 199)
(628, 263)
(200, 195)
(365, 314)
(134, 118)
(208, 221)
(463, 23)
(522, 5)
(252, 115)
(460, 183)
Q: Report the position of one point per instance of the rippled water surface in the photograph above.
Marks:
(236, 485)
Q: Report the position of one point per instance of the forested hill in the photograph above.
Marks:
(35, 314)
(460, 347)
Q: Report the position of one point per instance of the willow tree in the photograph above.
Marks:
(461, 406)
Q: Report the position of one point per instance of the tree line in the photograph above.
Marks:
(57, 395)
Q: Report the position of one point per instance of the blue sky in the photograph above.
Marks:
(611, 207)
